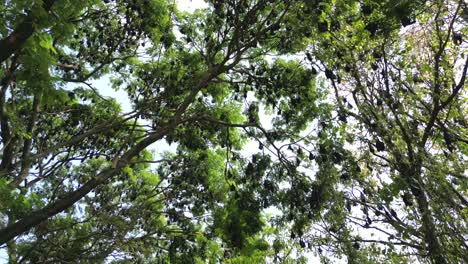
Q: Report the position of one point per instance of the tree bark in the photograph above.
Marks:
(7, 138)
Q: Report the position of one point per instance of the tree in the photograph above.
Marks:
(367, 131)
(399, 91)
(75, 173)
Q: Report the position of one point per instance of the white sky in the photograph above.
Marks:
(190, 5)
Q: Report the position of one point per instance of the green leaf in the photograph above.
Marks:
(46, 41)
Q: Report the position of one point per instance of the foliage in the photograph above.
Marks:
(358, 110)
(400, 93)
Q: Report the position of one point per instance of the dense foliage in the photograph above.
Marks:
(300, 128)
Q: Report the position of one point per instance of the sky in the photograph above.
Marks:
(190, 5)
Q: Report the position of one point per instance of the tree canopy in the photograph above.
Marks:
(331, 129)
